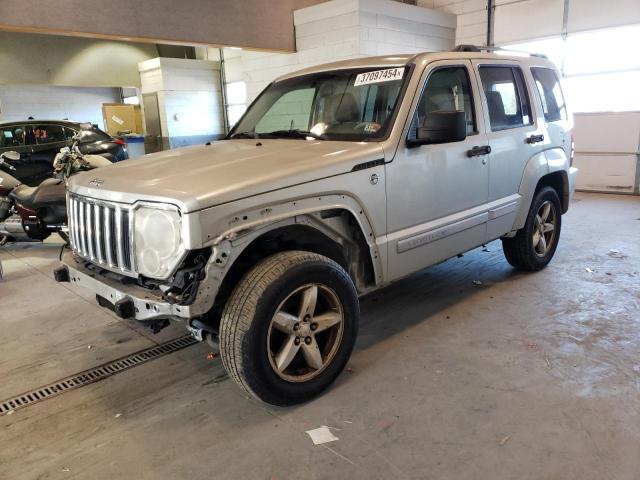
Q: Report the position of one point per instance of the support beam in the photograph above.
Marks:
(252, 24)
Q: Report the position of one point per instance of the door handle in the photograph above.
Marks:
(479, 150)
(535, 139)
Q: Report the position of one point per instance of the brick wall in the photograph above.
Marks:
(344, 29)
(471, 27)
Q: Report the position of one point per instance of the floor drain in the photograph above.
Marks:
(94, 374)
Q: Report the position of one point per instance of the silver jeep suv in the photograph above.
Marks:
(338, 180)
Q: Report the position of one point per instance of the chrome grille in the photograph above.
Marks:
(102, 232)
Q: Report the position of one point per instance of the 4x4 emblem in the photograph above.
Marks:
(96, 182)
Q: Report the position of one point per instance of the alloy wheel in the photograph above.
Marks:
(544, 228)
(305, 333)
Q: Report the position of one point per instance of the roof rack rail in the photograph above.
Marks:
(482, 48)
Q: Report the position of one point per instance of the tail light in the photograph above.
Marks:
(119, 141)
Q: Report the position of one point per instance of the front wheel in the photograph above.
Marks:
(534, 245)
(289, 327)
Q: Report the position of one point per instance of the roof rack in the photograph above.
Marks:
(476, 48)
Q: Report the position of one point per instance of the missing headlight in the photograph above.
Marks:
(184, 284)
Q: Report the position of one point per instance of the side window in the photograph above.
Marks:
(12, 136)
(48, 134)
(291, 111)
(507, 99)
(548, 86)
(447, 90)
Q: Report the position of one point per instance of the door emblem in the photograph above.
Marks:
(96, 182)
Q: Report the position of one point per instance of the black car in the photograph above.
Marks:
(38, 142)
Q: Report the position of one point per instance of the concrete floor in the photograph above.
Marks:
(526, 376)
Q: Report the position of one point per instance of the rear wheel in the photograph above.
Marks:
(289, 327)
(534, 245)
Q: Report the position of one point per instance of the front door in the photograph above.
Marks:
(17, 138)
(437, 194)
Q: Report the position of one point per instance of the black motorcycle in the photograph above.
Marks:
(34, 213)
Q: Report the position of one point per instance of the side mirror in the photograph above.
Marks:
(11, 155)
(440, 127)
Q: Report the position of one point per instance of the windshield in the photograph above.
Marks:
(351, 105)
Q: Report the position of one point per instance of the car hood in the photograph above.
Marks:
(198, 177)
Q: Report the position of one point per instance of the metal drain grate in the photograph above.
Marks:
(94, 374)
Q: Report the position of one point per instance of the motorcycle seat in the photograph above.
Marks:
(29, 196)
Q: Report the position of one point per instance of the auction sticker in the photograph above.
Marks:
(378, 76)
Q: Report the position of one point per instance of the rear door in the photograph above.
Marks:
(513, 133)
(48, 139)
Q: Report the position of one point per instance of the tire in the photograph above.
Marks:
(520, 251)
(255, 342)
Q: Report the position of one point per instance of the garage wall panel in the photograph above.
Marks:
(607, 132)
(527, 20)
(608, 151)
(595, 14)
(606, 173)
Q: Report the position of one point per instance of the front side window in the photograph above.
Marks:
(506, 95)
(349, 105)
(447, 90)
(548, 86)
(12, 136)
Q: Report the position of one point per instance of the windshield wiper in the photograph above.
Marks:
(245, 135)
(294, 133)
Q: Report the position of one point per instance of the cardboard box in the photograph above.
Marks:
(122, 118)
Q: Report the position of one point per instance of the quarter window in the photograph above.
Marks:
(447, 90)
(548, 86)
(507, 100)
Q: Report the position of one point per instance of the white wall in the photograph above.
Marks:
(53, 60)
(344, 29)
(44, 102)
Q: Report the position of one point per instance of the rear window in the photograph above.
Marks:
(48, 133)
(93, 135)
(506, 95)
(548, 85)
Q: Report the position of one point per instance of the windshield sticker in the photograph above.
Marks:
(378, 76)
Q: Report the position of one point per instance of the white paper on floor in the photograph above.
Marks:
(321, 435)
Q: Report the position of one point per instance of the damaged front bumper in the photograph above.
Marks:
(128, 301)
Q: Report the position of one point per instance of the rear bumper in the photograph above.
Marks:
(573, 176)
(128, 301)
